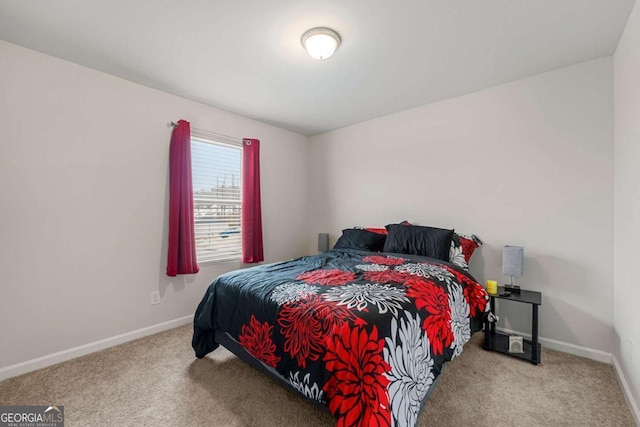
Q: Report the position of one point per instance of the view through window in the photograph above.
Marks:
(216, 169)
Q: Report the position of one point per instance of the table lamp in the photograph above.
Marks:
(323, 242)
(512, 261)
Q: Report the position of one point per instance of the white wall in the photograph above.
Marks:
(84, 193)
(83, 182)
(527, 163)
(626, 295)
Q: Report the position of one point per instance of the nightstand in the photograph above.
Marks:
(497, 341)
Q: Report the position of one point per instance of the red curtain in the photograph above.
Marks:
(182, 238)
(251, 209)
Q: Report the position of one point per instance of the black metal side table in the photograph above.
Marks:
(497, 341)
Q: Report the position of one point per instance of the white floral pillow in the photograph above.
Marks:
(462, 247)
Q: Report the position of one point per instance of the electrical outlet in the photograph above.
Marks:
(155, 297)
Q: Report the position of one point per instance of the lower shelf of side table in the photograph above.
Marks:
(499, 342)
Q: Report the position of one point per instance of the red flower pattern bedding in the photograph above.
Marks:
(364, 334)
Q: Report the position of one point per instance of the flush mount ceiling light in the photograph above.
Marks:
(320, 42)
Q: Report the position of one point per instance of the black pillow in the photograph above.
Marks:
(354, 238)
(416, 240)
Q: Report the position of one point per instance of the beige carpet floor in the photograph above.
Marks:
(156, 381)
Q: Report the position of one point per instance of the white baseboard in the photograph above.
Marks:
(633, 405)
(589, 353)
(72, 353)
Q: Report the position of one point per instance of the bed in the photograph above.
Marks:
(362, 334)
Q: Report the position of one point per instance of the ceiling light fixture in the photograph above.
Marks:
(320, 42)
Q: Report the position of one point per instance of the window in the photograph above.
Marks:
(216, 169)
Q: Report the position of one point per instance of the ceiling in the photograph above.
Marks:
(245, 56)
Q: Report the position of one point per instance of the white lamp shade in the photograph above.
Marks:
(512, 260)
(323, 242)
(320, 43)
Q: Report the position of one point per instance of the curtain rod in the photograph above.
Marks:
(212, 134)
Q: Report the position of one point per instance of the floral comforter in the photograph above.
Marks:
(365, 334)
